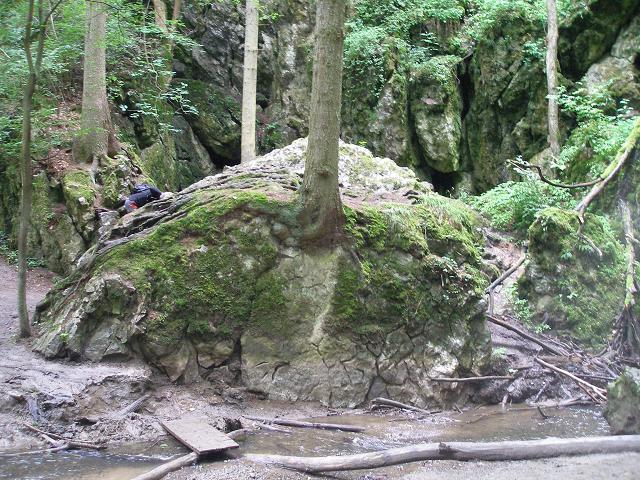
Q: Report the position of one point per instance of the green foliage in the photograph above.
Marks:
(11, 255)
(515, 205)
(604, 123)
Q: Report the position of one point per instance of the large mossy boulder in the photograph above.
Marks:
(623, 403)
(574, 277)
(218, 273)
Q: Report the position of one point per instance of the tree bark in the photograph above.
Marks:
(552, 77)
(490, 451)
(96, 138)
(322, 216)
(26, 195)
(249, 83)
(27, 179)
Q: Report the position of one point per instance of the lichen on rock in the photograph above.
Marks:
(623, 403)
(218, 273)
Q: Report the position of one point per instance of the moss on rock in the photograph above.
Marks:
(225, 271)
(575, 276)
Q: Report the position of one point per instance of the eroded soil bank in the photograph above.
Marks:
(62, 392)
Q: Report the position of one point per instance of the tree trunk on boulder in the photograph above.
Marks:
(322, 216)
(249, 83)
(96, 137)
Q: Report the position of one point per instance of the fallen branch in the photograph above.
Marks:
(168, 467)
(501, 279)
(471, 379)
(523, 164)
(380, 401)
(528, 336)
(37, 452)
(71, 444)
(119, 413)
(600, 392)
(296, 423)
(490, 451)
(613, 169)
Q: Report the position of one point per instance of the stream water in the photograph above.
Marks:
(382, 431)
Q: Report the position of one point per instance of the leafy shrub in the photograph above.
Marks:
(604, 123)
(514, 205)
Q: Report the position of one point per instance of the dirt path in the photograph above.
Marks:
(60, 388)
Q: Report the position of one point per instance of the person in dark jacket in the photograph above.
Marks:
(140, 196)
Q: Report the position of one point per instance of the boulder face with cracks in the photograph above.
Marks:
(218, 274)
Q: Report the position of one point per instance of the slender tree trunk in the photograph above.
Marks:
(249, 83)
(552, 76)
(27, 179)
(322, 216)
(96, 137)
(177, 5)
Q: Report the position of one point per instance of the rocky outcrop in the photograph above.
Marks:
(217, 274)
(574, 278)
(623, 403)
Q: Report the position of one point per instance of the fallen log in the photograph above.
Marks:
(168, 467)
(296, 423)
(490, 451)
(471, 379)
(381, 401)
(600, 392)
(526, 335)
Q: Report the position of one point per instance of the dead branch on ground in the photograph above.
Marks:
(297, 423)
(528, 336)
(490, 451)
(168, 467)
(502, 278)
(380, 402)
(471, 379)
(597, 391)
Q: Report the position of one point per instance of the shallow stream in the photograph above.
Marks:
(382, 431)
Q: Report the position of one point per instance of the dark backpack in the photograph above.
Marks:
(140, 188)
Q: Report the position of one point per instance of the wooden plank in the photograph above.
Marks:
(198, 435)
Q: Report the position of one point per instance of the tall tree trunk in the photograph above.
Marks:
(249, 83)
(322, 216)
(96, 137)
(552, 76)
(26, 196)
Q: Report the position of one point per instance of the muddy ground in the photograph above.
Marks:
(61, 393)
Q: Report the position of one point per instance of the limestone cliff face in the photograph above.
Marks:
(217, 275)
(455, 120)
